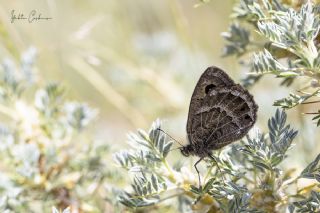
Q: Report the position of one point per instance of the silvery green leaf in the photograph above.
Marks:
(166, 149)
(312, 169)
(264, 62)
(154, 181)
(238, 38)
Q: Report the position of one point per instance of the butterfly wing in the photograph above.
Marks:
(211, 79)
(220, 111)
(225, 115)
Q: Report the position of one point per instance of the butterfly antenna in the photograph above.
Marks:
(169, 136)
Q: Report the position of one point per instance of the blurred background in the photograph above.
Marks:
(134, 61)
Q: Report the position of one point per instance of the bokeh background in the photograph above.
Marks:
(136, 61)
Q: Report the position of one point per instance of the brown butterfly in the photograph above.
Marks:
(220, 113)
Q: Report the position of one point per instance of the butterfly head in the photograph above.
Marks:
(187, 150)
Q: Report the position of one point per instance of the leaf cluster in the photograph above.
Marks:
(281, 40)
(45, 157)
(246, 178)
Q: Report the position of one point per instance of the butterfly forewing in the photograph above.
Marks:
(210, 80)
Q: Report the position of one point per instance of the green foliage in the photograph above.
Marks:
(233, 198)
(155, 151)
(310, 204)
(263, 62)
(312, 171)
(46, 160)
(149, 158)
(268, 155)
(238, 38)
(293, 100)
(145, 191)
(288, 46)
(249, 178)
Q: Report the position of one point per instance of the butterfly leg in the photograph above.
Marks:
(210, 156)
(195, 166)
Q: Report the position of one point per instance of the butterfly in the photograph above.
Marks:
(220, 112)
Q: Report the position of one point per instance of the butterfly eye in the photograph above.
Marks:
(209, 88)
(242, 109)
(247, 117)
